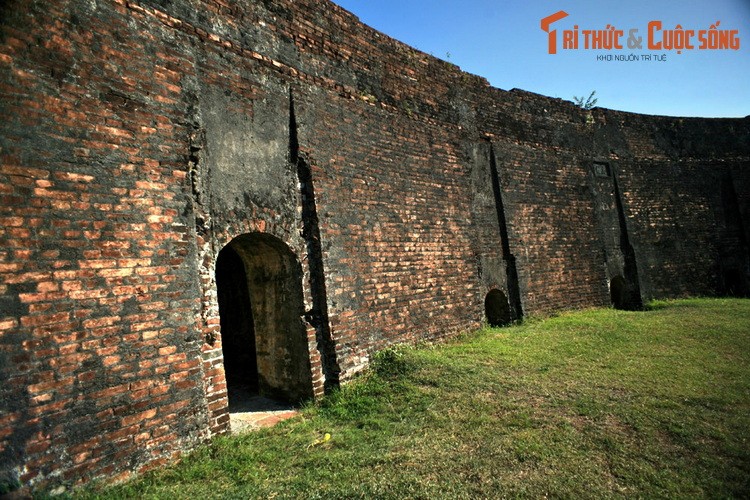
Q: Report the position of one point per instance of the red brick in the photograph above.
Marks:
(139, 417)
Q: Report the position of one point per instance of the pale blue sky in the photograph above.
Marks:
(502, 41)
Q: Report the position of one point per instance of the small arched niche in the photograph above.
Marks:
(264, 340)
(497, 308)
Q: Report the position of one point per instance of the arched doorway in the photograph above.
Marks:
(264, 340)
(497, 308)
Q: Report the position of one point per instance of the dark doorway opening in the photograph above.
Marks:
(261, 310)
(734, 283)
(238, 332)
(618, 293)
(497, 308)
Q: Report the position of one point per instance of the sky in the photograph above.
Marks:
(502, 40)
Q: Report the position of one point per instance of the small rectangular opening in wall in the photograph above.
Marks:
(601, 169)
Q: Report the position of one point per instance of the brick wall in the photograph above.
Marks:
(140, 138)
(101, 367)
(394, 207)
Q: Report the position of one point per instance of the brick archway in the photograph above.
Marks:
(264, 340)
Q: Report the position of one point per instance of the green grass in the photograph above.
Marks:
(590, 404)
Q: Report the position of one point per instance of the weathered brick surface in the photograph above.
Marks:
(140, 138)
(397, 254)
(99, 258)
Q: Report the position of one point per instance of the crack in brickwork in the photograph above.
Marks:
(514, 291)
(632, 299)
(318, 315)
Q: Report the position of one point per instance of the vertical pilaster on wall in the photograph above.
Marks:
(632, 299)
(318, 315)
(208, 321)
(733, 252)
(514, 291)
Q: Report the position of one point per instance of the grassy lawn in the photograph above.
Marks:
(589, 404)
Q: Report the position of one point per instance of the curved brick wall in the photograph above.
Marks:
(139, 138)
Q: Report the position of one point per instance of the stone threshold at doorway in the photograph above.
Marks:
(257, 412)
